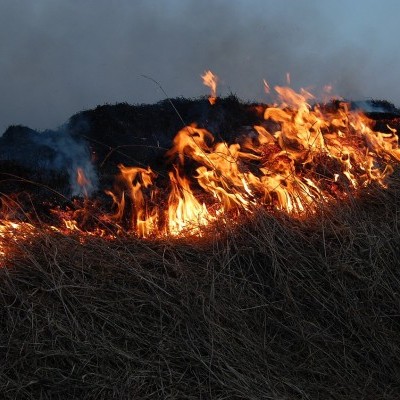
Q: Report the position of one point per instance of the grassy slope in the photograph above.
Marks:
(275, 308)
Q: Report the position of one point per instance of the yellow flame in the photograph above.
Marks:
(298, 157)
(185, 213)
(310, 156)
(211, 80)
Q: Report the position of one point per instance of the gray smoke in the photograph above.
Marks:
(59, 57)
(71, 155)
(369, 107)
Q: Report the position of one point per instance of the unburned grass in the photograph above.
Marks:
(271, 308)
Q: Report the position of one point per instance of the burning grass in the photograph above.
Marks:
(266, 267)
(273, 307)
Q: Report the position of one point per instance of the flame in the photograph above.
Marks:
(185, 213)
(17, 233)
(13, 232)
(81, 178)
(298, 157)
(82, 181)
(136, 180)
(267, 88)
(211, 80)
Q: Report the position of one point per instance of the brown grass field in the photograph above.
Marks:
(270, 308)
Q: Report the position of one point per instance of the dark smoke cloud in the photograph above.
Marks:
(59, 57)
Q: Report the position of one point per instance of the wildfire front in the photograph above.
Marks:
(296, 159)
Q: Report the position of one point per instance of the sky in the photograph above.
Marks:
(59, 57)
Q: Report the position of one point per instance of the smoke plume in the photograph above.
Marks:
(59, 57)
(71, 155)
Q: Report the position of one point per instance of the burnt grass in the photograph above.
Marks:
(271, 308)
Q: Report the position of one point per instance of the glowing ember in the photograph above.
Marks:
(13, 232)
(17, 233)
(211, 80)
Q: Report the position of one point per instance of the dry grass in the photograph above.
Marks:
(272, 309)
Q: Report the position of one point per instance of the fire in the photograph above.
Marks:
(184, 212)
(267, 88)
(14, 232)
(299, 157)
(136, 181)
(81, 178)
(82, 181)
(211, 80)
(17, 233)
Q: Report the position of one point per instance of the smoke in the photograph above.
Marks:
(71, 155)
(60, 57)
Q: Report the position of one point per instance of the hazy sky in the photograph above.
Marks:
(61, 56)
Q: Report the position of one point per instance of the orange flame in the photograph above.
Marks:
(267, 89)
(12, 232)
(185, 213)
(211, 80)
(82, 181)
(299, 157)
(309, 156)
(81, 178)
